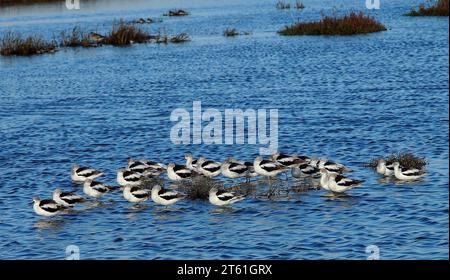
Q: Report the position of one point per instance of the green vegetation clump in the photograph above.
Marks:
(15, 44)
(351, 24)
(439, 8)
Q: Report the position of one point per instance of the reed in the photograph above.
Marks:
(180, 38)
(282, 5)
(230, 32)
(351, 24)
(438, 8)
(14, 44)
(123, 34)
(77, 38)
(299, 5)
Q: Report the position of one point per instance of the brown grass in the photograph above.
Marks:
(123, 34)
(180, 38)
(351, 24)
(438, 8)
(14, 44)
(77, 38)
(406, 160)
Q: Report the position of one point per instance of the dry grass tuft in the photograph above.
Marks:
(351, 24)
(438, 8)
(14, 44)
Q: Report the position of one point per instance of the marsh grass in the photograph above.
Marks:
(232, 32)
(124, 34)
(299, 5)
(406, 160)
(438, 8)
(351, 24)
(180, 38)
(14, 44)
(176, 13)
(77, 38)
(282, 5)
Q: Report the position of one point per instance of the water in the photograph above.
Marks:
(347, 98)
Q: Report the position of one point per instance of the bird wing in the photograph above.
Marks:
(269, 165)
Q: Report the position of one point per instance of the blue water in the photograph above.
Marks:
(347, 98)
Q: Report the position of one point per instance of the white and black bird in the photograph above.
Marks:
(305, 170)
(191, 163)
(385, 169)
(147, 167)
(338, 183)
(222, 198)
(324, 179)
(47, 207)
(96, 189)
(81, 174)
(129, 177)
(233, 169)
(176, 172)
(288, 161)
(68, 199)
(267, 168)
(165, 197)
(208, 168)
(136, 194)
(407, 174)
(329, 165)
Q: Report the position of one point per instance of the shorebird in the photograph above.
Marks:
(384, 169)
(68, 199)
(209, 168)
(96, 189)
(329, 165)
(98, 38)
(304, 170)
(233, 169)
(324, 179)
(267, 168)
(288, 161)
(135, 194)
(407, 174)
(129, 177)
(146, 166)
(222, 198)
(47, 207)
(177, 172)
(165, 197)
(339, 184)
(81, 174)
(191, 163)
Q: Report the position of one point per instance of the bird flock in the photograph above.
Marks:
(130, 180)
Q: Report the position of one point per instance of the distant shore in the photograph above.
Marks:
(25, 2)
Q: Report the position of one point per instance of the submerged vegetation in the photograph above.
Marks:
(351, 24)
(438, 8)
(15, 44)
(231, 32)
(406, 160)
